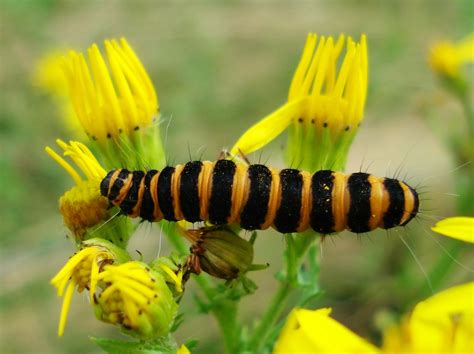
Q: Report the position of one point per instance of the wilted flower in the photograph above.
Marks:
(324, 109)
(137, 298)
(219, 252)
(81, 271)
(82, 206)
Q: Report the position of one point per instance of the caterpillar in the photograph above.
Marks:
(258, 197)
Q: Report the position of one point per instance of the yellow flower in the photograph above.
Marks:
(447, 58)
(183, 350)
(461, 228)
(308, 331)
(82, 206)
(137, 298)
(116, 104)
(443, 323)
(48, 74)
(81, 271)
(324, 108)
(114, 99)
(49, 77)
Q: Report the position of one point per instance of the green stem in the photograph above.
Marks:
(297, 248)
(469, 112)
(270, 317)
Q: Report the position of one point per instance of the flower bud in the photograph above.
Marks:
(137, 298)
(219, 252)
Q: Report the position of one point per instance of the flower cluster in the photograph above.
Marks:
(117, 107)
(115, 102)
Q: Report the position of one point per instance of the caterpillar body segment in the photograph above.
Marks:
(257, 197)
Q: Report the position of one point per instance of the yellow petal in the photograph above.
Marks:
(183, 350)
(267, 129)
(453, 300)
(445, 321)
(308, 331)
(461, 228)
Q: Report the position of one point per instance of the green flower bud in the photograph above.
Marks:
(219, 252)
(136, 298)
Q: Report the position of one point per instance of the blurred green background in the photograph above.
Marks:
(218, 67)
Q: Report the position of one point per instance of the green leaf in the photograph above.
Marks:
(191, 344)
(308, 278)
(178, 321)
(162, 345)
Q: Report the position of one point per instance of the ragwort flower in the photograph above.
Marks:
(324, 109)
(447, 58)
(137, 298)
(116, 103)
(81, 271)
(82, 207)
(444, 323)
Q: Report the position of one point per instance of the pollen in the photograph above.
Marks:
(82, 207)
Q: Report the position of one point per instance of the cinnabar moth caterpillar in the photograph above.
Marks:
(257, 197)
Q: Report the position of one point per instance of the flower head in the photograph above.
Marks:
(443, 323)
(81, 271)
(82, 206)
(324, 108)
(447, 58)
(137, 298)
(116, 103)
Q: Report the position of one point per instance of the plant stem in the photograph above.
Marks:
(270, 317)
(297, 247)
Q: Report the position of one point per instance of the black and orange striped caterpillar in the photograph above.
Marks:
(257, 197)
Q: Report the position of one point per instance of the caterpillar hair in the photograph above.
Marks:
(257, 197)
